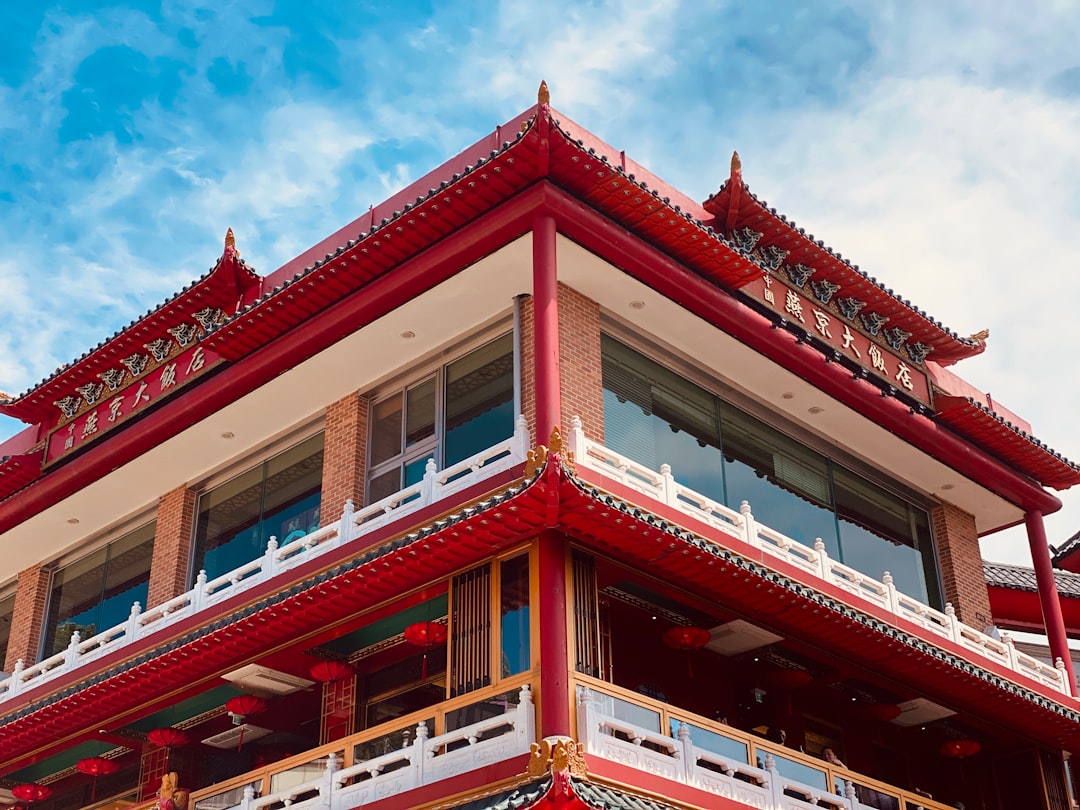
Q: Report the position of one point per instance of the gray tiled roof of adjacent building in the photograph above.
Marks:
(1017, 577)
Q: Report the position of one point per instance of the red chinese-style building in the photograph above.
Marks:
(539, 484)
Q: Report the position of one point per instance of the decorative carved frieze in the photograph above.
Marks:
(824, 290)
(850, 307)
(159, 348)
(113, 377)
(799, 274)
(745, 238)
(919, 351)
(896, 337)
(136, 364)
(208, 318)
(771, 257)
(184, 333)
(68, 406)
(91, 392)
(873, 322)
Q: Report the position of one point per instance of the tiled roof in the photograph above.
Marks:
(606, 798)
(520, 797)
(1069, 547)
(1017, 577)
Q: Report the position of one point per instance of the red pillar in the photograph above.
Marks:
(554, 643)
(1048, 595)
(546, 328)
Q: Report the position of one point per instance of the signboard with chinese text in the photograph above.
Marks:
(826, 325)
(115, 408)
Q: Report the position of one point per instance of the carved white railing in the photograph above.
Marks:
(422, 761)
(756, 779)
(815, 561)
(353, 524)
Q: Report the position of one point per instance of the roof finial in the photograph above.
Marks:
(230, 240)
(542, 95)
(736, 164)
(980, 337)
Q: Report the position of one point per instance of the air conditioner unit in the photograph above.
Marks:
(254, 678)
(738, 637)
(920, 711)
(232, 737)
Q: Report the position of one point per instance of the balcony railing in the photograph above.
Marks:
(742, 525)
(413, 752)
(353, 524)
(662, 740)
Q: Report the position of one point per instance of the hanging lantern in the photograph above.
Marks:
(426, 635)
(95, 767)
(882, 712)
(31, 792)
(239, 708)
(168, 737)
(687, 639)
(789, 678)
(960, 749)
(329, 671)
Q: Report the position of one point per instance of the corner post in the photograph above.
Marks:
(1048, 595)
(546, 327)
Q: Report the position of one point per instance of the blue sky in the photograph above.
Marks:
(936, 144)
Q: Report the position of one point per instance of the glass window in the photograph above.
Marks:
(96, 592)
(461, 409)
(279, 498)
(514, 612)
(656, 417)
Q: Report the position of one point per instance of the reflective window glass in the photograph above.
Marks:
(278, 498)
(97, 591)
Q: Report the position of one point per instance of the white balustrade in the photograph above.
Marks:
(353, 524)
(742, 525)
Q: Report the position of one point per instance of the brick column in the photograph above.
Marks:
(28, 617)
(170, 567)
(344, 456)
(961, 565)
(581, 376)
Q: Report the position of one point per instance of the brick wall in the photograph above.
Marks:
(344, 456)
(171, 564)
(579, 353)
(31, 600)
(961, 565)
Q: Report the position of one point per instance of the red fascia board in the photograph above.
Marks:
(640, 260)
(1020, 607)
(417, 275)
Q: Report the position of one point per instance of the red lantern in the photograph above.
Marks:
(687, 639)
(240, 707)
(31, 792)
(95, 767)
(168, 737)
(882, 712)
(960, 749)
(425, 634)
(328, 671)
(243, 705)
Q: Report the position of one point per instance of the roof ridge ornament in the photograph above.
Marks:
(543, 95)
(980, 337)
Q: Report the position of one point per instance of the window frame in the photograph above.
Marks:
(241, 464)
(84, 549)
(434, 366)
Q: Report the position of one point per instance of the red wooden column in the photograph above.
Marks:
(545, 328)
(554, 653)
(1048, 595)
(554, 642)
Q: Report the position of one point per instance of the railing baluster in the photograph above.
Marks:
(749, 524)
